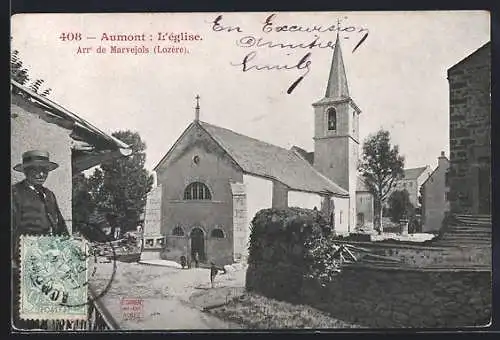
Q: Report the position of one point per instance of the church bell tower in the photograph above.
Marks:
(336, 135)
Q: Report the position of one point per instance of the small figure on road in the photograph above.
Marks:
(213, 272)
(196, 259)
(183, 261)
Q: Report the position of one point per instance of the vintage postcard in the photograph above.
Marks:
(251, 171)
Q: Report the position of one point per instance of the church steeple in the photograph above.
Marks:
(337, 81)
(336, 133)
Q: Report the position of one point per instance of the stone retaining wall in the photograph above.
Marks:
(417, 256)
(375, 297)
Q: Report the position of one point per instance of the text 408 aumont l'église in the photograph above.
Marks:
(174, 37)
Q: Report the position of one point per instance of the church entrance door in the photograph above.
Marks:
(198, 243)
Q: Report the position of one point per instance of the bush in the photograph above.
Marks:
(287, 248)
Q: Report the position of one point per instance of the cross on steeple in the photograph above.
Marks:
(197, 108)
(338, 29)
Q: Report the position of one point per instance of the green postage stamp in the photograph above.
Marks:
(53, 278)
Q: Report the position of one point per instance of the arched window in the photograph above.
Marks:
(197, 191)
(178, 231)
(332, 119)
(217, 233)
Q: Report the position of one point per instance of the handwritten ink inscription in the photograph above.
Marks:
(250, 61)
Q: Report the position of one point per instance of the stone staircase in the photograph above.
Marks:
(464, 245)
(467, 231)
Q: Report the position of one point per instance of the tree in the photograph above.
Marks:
(381, 166)
(400, 206)
(119, 188)
(19, 73)
(421, 201)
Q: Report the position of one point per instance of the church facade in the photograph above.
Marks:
(213, 180)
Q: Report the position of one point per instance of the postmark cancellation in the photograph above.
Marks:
(53, 278)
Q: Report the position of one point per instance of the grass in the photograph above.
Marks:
(208, 297)
(259, 312)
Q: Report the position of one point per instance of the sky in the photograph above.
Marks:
(397, 74)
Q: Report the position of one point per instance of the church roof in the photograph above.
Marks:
(337, 81)
(309, 156)
(266, 160)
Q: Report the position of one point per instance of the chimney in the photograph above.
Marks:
(442, 160)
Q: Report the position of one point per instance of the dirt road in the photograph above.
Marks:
(162, 298)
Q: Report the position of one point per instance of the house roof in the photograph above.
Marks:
(430, 176)
(91, 145)
(413, 173)
(361, 184)
(433, 172)
(270, 161)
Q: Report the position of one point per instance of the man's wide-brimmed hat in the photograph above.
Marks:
(36, 158)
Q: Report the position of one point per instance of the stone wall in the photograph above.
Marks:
(152, 214)
(374, 297)
(470, 124)
(240, 221)
(431, 257)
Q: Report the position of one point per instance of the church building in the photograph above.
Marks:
(213, 181)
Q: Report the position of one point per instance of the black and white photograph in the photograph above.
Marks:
(251, 171)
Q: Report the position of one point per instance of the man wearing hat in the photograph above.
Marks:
(34, 208)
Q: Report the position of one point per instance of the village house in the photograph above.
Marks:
(470, 133)
(213, 181)
(73, 143)
(412, 181)
(364, 206)
(435, 196)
